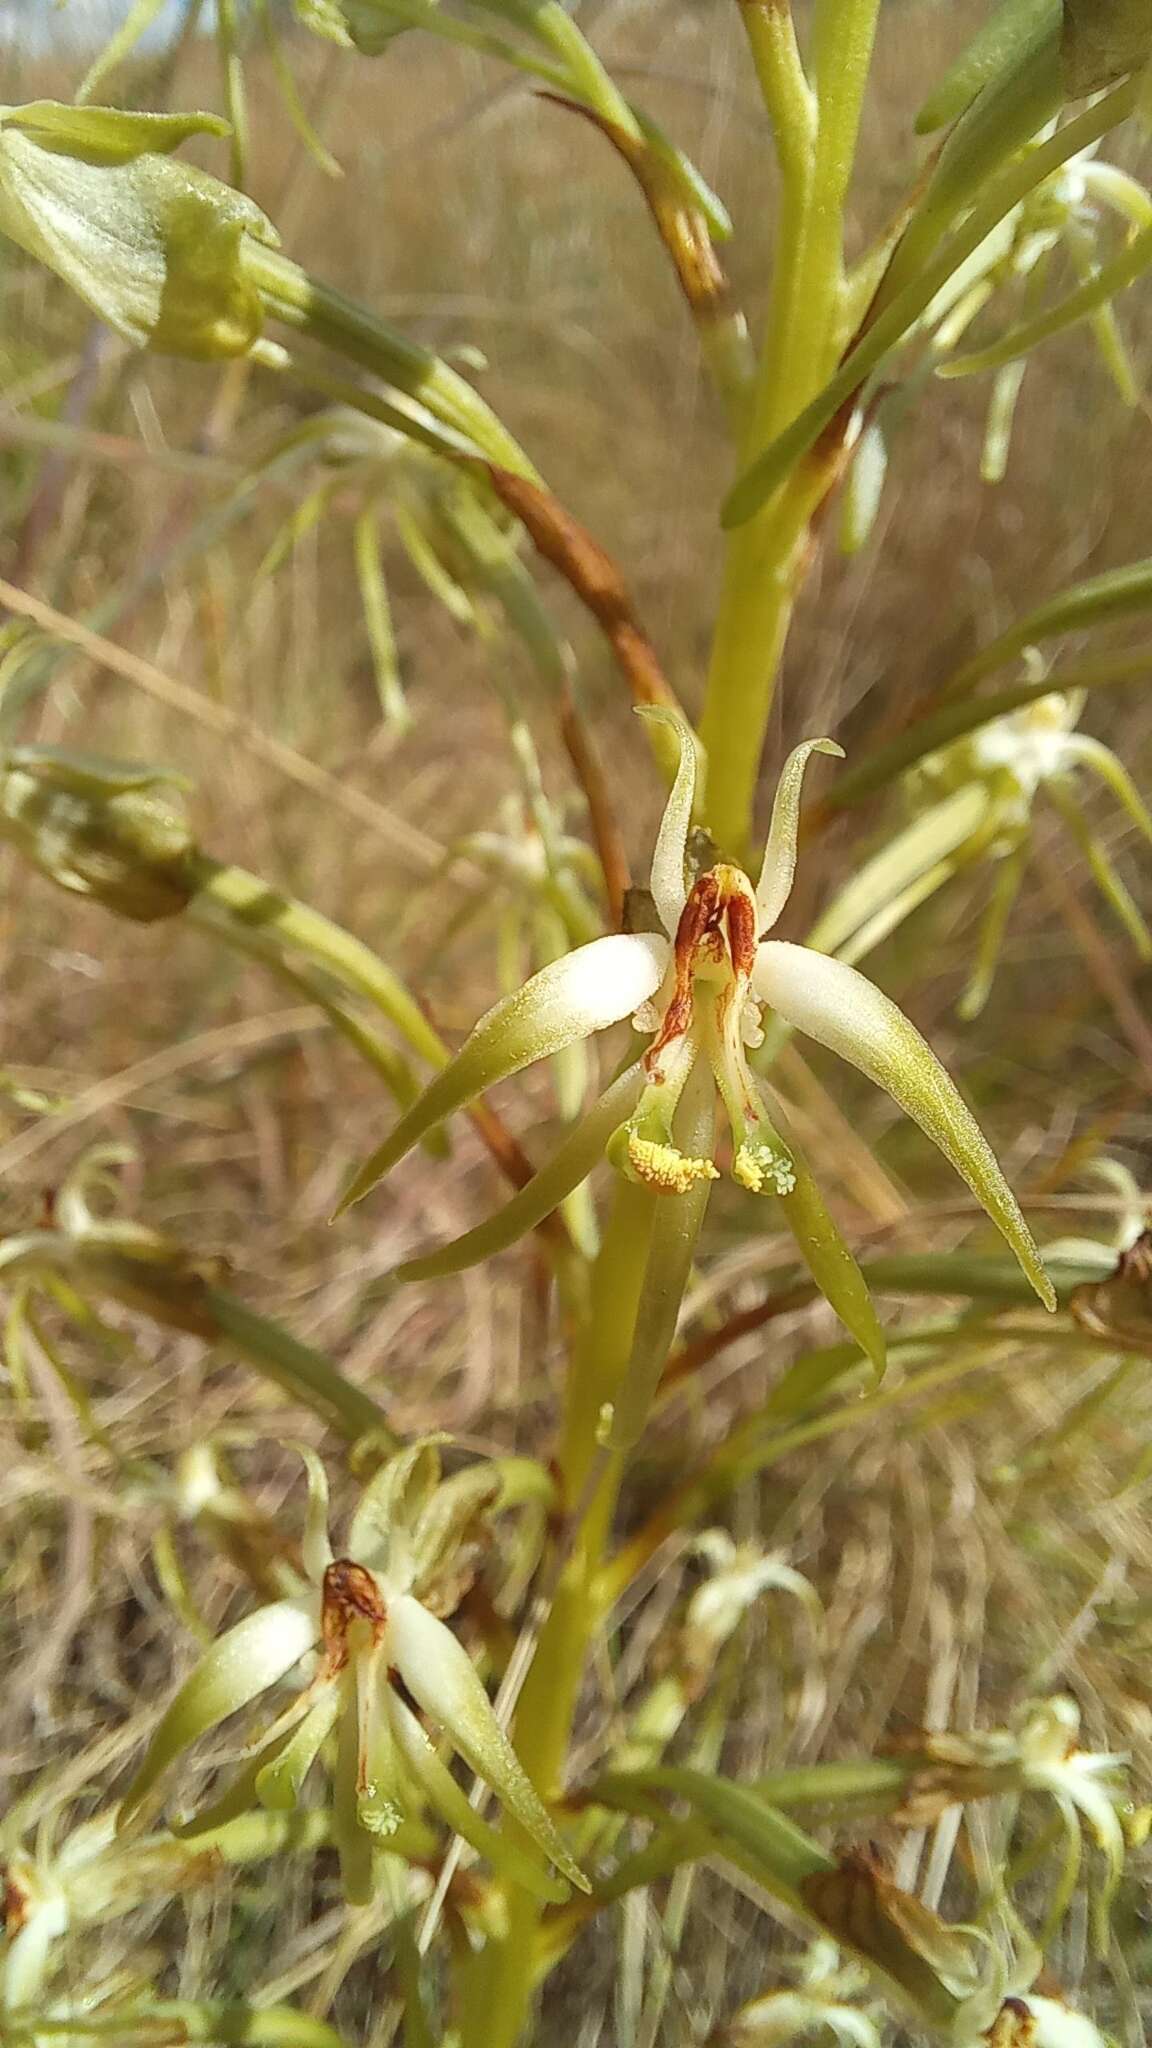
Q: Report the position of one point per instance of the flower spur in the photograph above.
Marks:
(701, 987)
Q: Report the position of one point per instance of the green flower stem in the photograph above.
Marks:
(392, 1067)
(304, 1374)
(586, 74)
(766, 559)
(290, 295)
(497, 2007)
(771, 471)
(250, 902)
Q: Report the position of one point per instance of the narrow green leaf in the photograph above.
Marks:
(1088, 298)
(1098, 601)
(378, 619)
(878, 341)
(935, 835)
(782, 1853)
(1012, 28)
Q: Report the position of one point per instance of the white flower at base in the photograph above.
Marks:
(363, 1624)
(701, 989)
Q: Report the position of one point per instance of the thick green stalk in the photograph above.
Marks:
(498, 2005)
(816, 143)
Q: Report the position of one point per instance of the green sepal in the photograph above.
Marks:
(106, 135)
(435, 1780)
(842, 1010)
(444, 1682)
(279, 1780)
(568, 1167)
(828, 1259)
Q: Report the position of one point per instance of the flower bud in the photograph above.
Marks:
(155, 247)
(100, 829)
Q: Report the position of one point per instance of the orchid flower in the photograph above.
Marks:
(362, 1621)
(1082, 1782)
(824, 2002)
(701, 987)
(1003, 2011)
(1013, 760)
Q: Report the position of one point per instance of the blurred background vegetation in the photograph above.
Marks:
(991, 1542)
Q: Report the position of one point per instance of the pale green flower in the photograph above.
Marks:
(1014, 761)
(360, 1622)
(701, 987)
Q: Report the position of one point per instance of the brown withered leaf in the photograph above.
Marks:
(953, 1768)
(864, 1910)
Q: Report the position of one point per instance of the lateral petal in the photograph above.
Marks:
(669, 889)
(255, 1654)
(779, 869)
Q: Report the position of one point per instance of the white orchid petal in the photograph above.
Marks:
(1057, 2026)
(583, 992)
(315, 1547)
(443, 1680)
(844, 1011)
(255, 1654)
(29, 1950)
(669, 890)
(776, 876)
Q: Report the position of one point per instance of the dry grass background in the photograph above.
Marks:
(969, 1553)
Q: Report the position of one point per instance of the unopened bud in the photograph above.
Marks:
(100, 828)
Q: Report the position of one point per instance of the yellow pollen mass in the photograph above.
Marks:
(664, 1168)
(757, 1167)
